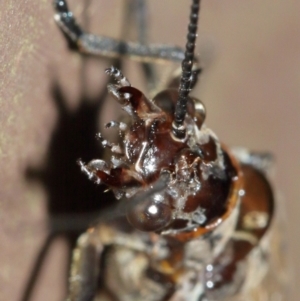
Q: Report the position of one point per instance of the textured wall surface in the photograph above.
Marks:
(49, 105)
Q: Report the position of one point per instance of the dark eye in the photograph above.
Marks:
(149, 216)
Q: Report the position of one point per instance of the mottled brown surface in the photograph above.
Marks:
(250, 88)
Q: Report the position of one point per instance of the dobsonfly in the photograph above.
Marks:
(194, 217)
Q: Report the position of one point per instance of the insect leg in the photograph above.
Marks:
(104, 46)
(118, 76)
(85, 268)
(122, 126)
(140, 11)
(115, 148)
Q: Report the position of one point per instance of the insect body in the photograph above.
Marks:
(195, 216)
(202, 219)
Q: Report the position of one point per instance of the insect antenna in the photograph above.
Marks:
(187, 74)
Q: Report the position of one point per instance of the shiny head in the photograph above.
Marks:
(198, 174)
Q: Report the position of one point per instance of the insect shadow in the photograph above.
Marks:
(73, 202)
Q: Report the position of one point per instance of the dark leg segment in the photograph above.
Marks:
(84, 269)
(98, 45)
(66, 21)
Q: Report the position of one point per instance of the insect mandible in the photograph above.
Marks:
(195, 214)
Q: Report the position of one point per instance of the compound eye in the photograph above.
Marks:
(149, 216)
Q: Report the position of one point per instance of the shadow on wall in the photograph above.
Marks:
(74, 202)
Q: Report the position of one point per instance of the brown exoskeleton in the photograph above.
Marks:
(196, 215)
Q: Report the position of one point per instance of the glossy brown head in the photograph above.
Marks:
(199, 174)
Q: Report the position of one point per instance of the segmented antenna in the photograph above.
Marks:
(186, 75)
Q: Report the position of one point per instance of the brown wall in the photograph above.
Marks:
(251, 88)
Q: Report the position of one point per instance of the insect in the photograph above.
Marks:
(195, 215)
